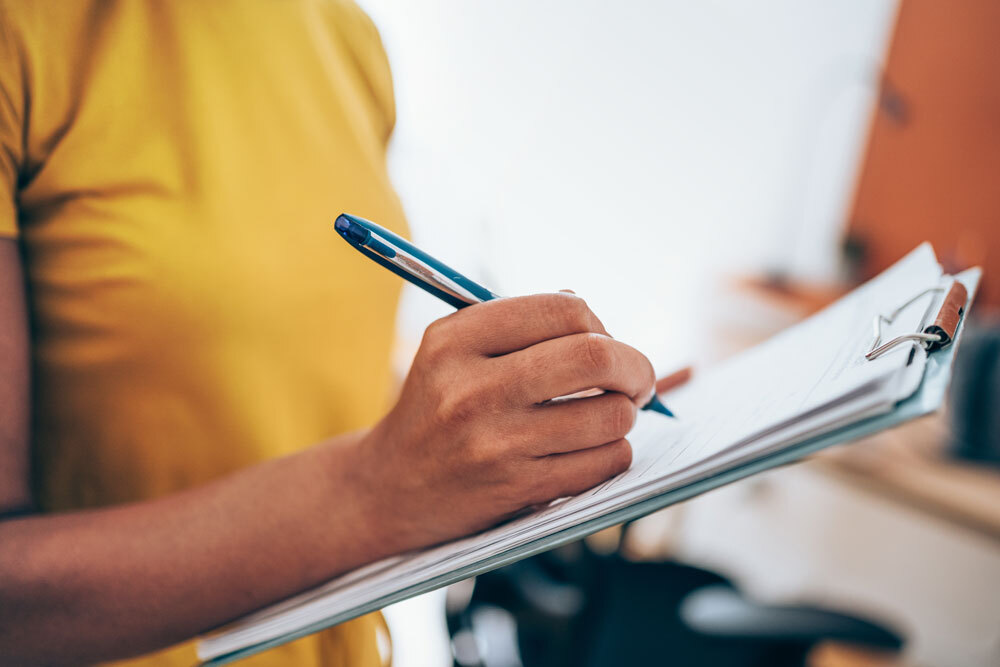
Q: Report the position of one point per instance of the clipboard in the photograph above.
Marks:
(927, 398)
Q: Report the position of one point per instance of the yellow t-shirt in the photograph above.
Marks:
(172, 170)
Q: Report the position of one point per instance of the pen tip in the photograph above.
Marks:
(657, 406)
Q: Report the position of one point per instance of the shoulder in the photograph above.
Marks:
(43, 43)
(360, 38)
(36, 26)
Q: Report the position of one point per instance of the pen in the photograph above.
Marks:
(413, 264)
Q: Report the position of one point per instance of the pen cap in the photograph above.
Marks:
(351, 231)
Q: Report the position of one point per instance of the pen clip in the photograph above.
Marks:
(422, 271)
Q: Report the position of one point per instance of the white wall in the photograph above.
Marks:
(628, 150)
(633, 151)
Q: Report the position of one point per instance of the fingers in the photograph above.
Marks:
(673, 380)
(566, 426)
(566, 365)
(507, 325)
(573, 473)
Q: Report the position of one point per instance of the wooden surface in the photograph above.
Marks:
(907, 465)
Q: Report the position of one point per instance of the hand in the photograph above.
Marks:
(472, 440)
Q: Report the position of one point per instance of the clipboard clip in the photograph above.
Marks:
(934, 336)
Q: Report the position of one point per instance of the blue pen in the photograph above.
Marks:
(413, 264)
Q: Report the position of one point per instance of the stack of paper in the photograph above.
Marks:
(809, 380)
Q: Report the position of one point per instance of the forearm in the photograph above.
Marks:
(100, 584)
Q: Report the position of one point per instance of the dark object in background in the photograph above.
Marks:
(594, 611)
(974, 403)
(774, 635)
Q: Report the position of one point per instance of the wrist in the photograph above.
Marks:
(360, 495)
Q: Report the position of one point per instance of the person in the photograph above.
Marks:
(194, 373)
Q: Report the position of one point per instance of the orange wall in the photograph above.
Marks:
(932, 168)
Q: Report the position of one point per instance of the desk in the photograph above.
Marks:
(906, 466)
(884, 526)
(811, 534)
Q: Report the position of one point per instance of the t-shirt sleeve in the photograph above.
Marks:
(362, 39)
(11, 126)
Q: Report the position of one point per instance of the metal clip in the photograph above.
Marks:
(877, 350)
(938, 334)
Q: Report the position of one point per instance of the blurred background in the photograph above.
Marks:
(706, 174)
